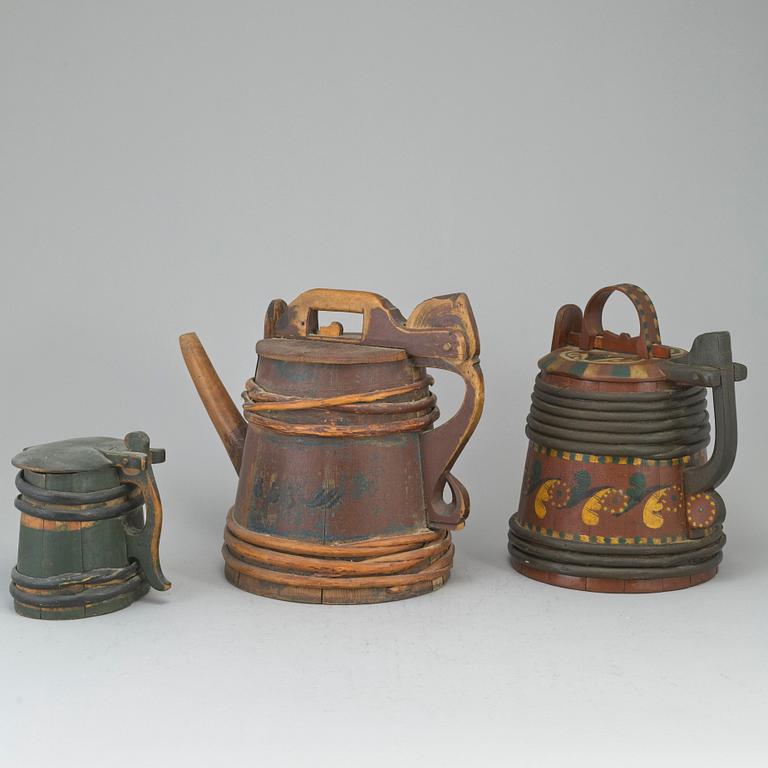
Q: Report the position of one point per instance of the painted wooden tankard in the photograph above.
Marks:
(90, 526)
(618, 494)
(341, 473)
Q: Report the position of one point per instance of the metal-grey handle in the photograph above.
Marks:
(710, 364)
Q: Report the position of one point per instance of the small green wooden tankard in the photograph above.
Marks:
(90, 526)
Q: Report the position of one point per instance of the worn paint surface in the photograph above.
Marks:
(86, 535)
(338, 444)
(618, 494)
(324, 489)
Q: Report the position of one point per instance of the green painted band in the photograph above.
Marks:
(682, 396)
(65, 497)
(596, 571)
(134, 585)
(95, 576)
(668, 451)
(564, 419)
(620, 398)
(73, 515)
(609, 558)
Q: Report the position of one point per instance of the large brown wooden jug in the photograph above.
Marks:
(340, 498)
(618, 494)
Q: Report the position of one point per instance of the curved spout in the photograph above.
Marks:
(223, 412)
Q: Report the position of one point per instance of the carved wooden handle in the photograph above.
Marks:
(442, 446)
(299, 318)
(593, 336)
(446, 334)
(135, 467)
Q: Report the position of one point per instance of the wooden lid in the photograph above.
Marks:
(340, 351)
(80, 454)
(602, 365)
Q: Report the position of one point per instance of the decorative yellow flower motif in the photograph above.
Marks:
(609, 500)
(652, 508)
(614, 501)
(661, 502)
(558, 495)
(542, 497)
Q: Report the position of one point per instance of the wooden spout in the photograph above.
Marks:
(223, 412)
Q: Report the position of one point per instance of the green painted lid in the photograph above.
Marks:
(79, 454)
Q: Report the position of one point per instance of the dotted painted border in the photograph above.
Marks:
(586, 539)
(589, 458)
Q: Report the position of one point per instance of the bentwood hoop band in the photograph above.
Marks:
(97, 505)
(391, 563)
(658, 425)
(259, 405)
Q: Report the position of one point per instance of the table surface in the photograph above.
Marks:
(493, 664)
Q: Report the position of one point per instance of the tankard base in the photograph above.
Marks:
(328, 596)
(375, 570)
(631, 586)
(56, 607)
(617, 567)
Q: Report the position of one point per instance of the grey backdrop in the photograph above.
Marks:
(169, 166)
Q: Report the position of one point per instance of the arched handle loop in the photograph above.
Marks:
(594, 336)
